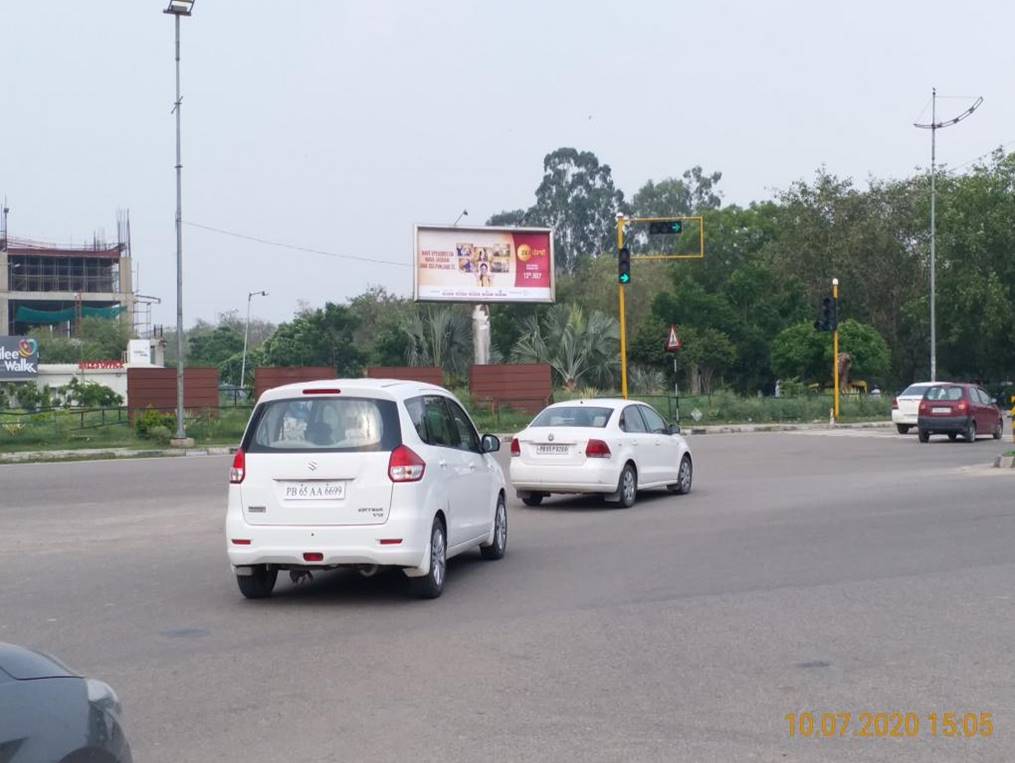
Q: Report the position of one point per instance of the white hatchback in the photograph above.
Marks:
(361, 473)
(605, 446)
(905, 406)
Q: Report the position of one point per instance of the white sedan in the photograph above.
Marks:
(600, 446)
(906, 404)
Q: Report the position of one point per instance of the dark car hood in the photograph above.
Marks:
(27, 664)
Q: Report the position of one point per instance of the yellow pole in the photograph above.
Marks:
(835, 348)
(623, 316)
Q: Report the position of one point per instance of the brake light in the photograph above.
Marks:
(313, 556)
(239, 469)
(895, 403)
(597, 449)
(405, 466)
(924, 406)
(962, 407)
(516, 447)
(322, 391)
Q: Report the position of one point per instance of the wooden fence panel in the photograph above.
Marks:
(156, 388)
(276, 376)
(424, 374)
(524, 386)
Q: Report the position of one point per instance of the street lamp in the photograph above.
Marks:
(178, 8)
(246, 333)
(934, 126)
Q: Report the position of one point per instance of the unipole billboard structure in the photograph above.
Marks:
(483, 265)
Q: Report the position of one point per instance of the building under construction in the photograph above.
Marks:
(56, 286)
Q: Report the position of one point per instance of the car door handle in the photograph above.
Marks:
(472, 466)
(442, 464)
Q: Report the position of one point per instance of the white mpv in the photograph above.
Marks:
(362, 473)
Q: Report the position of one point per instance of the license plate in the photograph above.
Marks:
(940, 410)
(313, 490)
(552, 450)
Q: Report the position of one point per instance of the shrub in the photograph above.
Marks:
(151, 420)
(160, 434)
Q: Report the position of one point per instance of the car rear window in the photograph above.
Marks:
(573, 416)
(913, 390)
(944, 393)
(329, 424)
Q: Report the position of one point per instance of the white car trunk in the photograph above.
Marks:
(316, 488)
(556, 446)
(909, 406)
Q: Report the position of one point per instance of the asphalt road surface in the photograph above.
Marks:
(831, 572)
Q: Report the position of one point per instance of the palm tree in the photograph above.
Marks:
(582, 348)
(440, 337)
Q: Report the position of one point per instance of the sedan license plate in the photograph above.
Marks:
(552, 450)
(313, 490)
(940, 410)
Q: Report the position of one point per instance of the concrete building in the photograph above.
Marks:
(50, 285)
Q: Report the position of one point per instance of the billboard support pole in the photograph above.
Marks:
(623, 316)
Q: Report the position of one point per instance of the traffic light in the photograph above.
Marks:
(624, 266)
(828, 319)
(667, 227)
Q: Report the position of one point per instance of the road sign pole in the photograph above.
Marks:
(623, 316)
(835, 349)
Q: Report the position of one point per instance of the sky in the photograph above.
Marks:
(336, 126)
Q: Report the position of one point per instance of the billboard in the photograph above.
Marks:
(466, 264)
(19, 358)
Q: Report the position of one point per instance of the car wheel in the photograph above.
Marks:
(627, 487)
(431, 585)
(259, 584)
(971, 431)
(684, 476)
(953, 436)
(500, 528)
(903, 428)
(998, 430)
(924, 435)
(533, 499)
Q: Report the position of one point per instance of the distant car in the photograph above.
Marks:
(362, 473)
(600, 446)
(906, 404)
(50, 713)
(958, 409)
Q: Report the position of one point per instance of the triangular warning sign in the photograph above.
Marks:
(673, 341)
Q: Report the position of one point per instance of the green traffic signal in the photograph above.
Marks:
(665, 227)
(625, 277)
(624, 266)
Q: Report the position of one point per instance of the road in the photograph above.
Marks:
(841, 572)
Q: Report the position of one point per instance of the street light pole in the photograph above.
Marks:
(934, 126)
(178, 8)
(246, 333)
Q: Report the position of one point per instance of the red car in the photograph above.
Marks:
(958, 409)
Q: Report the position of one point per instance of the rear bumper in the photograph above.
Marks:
(898, 417)
(346, 544)
(943, 423)
(594, 476)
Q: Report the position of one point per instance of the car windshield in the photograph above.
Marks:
(324, 424)
(913, 390)
(944, 393)
(573, 416)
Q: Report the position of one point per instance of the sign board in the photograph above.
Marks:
(100, 365)
(673, 343)
(483, 264)
(19, 358)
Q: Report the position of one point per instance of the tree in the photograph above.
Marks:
(96, 339)
(440, 337)
(322, 337)
(215, 347)
(693, 193)
(578, 199)
(706, 352)
(509, 217)
(803, 352)
(581, 347)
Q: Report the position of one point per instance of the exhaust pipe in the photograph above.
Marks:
(368, 570)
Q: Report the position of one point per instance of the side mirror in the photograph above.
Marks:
(993, 401)
(673, 429)
(491, 443)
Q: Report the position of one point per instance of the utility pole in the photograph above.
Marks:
(621, 222)
(835, 349)
(934, 126)
(246, 333)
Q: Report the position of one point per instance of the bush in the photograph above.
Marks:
(90, 394)
(160, 434)
(151, 420)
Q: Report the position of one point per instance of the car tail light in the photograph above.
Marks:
(322, 391)
(597, 449)
(516, 447)
(239, 470)
(962, 407)
(405, 466)
(313, 556)
(924, 406)
(895, 403)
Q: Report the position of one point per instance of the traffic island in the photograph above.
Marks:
(1006, 461)
(181, 442)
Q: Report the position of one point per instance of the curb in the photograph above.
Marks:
(108, 454)
(749, 428)
(1004, 462)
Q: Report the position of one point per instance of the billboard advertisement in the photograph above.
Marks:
(19, 358)
(466, 264)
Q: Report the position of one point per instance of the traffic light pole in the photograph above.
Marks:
(835, 350)
(623, 315)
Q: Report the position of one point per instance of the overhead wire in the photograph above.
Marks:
(294, 247)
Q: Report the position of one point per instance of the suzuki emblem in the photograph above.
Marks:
(312, 466)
